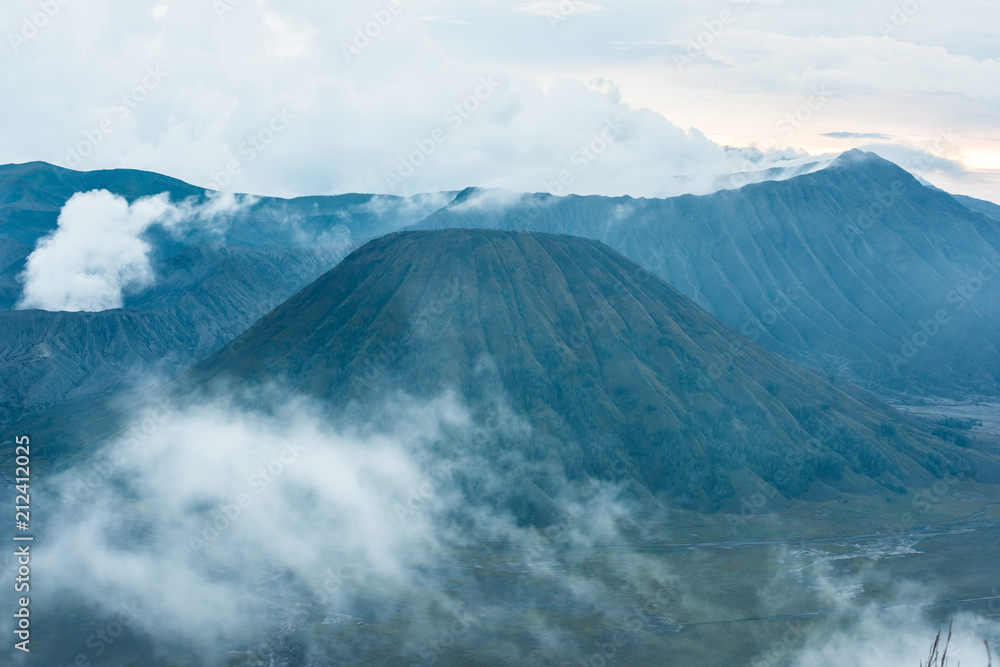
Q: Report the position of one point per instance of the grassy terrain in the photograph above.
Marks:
(693, 590)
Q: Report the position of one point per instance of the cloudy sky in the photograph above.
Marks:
(293, 97)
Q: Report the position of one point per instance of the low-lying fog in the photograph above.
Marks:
(213, 534)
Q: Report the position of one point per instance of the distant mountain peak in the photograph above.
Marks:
(856, 156)
(466, 194)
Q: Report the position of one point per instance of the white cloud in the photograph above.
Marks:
(289, 474)
(223, 79)
(94, 256)
(562, 8)
(290, 518)
(288, 502)
(896, 637)
(97, 255)
(291, 37)
(160, 10)
(226, 76)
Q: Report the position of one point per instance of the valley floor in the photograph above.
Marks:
(676, 595)
(986, 411)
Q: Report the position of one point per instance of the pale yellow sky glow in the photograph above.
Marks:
(801, 109)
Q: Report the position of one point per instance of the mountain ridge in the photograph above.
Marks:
(801, 266)
(605, 361)
(869, 251)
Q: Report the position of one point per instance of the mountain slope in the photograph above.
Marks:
(32, 194)
(210, 284)
(843, 269)
(987, 208)
(49, 357)
(857, 269)
(612, 368)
